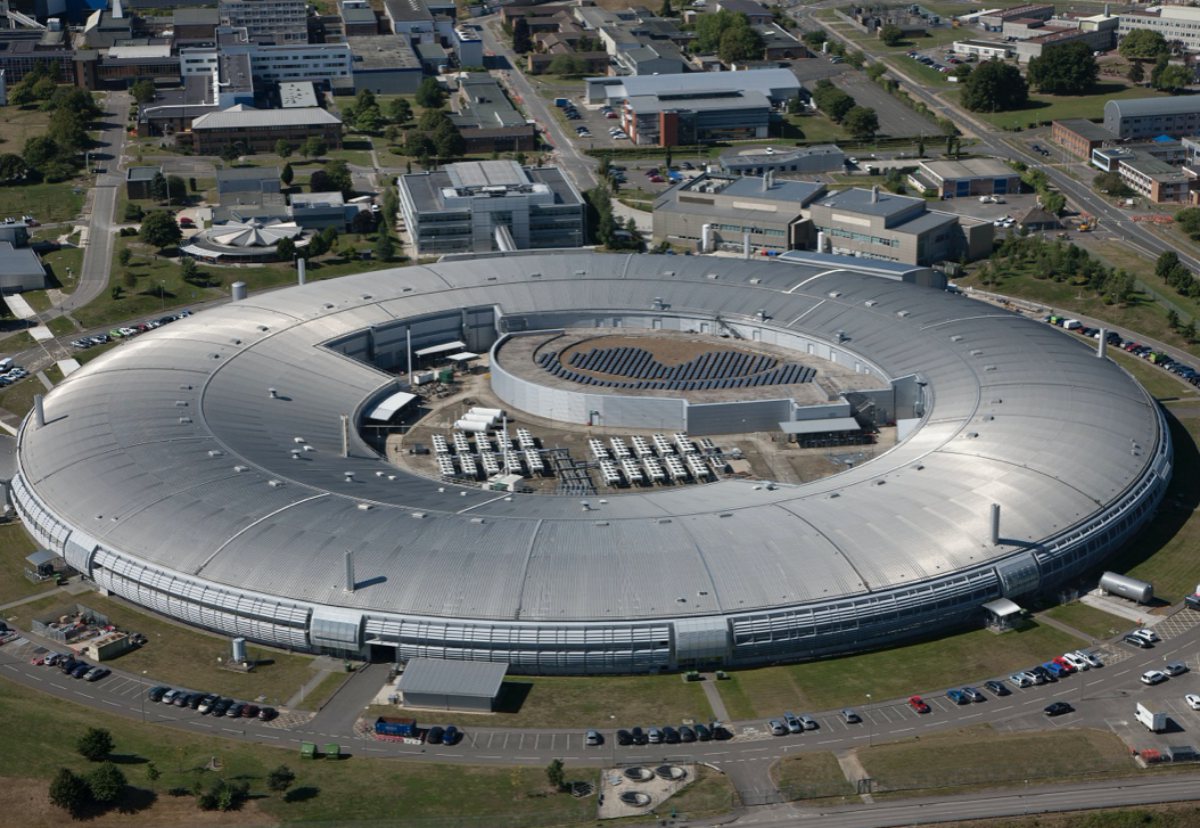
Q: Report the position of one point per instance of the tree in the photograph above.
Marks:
(1069, 69)
(176, 189)
(280, 779)
(815, 38)
(400, 111)
(22, 95)
(836, 104)
(448, 141)
(876, 70)
(316, 247)
(95, 745)
(391, 134)
(124, 257)
(152, 772)
(106, 782)
(188, 269)
(417, 144)
(1174, 76)
(383, 249)
(69, 791)
(365, 99)
(555, 774)
(962, 71)
(160, 230)
(861, 121)
(68, 128)
(1053, 202)
(313, 148)
(1172, 319)
(158, 187)
(13, 169)
(142, 90)
(1110, 183)
(133, 212)
(1136, 73)
(368, 120)
(891, 35)
(282, 148)
(331, 237)
(1189, 331)
(522, 43)
(740, 43)
(44, 88)
(1160, 66)
(568, 65)
(285, 250)
(1166, 262)
(229, 153)
(433, 118)
(364, 222)
(1143, 43)
(333, 177)
(711, 29)
(665, 9)
(994, 86)
(287, 175)
(115, 292)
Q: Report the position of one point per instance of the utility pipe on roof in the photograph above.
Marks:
(349, 562)
(995, 524)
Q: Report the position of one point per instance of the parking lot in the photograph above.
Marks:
(894, 117)
(593, 118)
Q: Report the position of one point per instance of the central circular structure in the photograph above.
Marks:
(211, 470)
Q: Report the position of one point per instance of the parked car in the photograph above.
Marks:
(96, 673)
(196, 700)
(1149, 635)
(654, 736)
(208, 703)
(453, 734)
(1057, 708)
(623, 738)
(81, 669)
(1175, 668)
(918, 704)
(793, 724)
(703, 733)
(639, 736)
(687, 734)
(808, 721)
(1192, 700)
(973, 694)
(777, 728)
(435, 735)
(1137, 641)
(168, 697)
(1077, 661)
(156, 693)
(997, 687)
(1153, 677)
(957, 696)
(267, 714)
(593, 737)
(222, 706)
(849, 716)
(670, 735)
(235, 710)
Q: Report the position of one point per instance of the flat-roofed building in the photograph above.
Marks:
(20, 269)
(195, 24)
(487, 119)
(1135, 118)
(274, 21)
(696, 117)
(1153, 179)
(1174, 22)
(986, 49)
(784, 160)
(408, 17)
(972, 177)
(1080, 136)
(778, 85)
(385, 64)
(297, 93)
(719, 212)
(260, 129)
(994, 21)
(896, 228)
(484, 206)
(138, 181)
(357, 18)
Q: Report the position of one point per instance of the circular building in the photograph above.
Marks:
(243, 242)
(211, 471)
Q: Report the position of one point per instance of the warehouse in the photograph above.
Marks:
(464, 686)
(785, 160)
(1143, 118)
(972, 177)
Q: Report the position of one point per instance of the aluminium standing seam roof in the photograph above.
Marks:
(452, 678)
(1019, 414)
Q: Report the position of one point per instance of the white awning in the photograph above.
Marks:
(829, 425)
(1002, 608)
(388, 408)
(465, 356)
(444, 348)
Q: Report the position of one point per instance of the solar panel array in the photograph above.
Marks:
(711, 370)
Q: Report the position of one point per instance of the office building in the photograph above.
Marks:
(784, 160)
(1080, 136)
(1135, 118)
(723, 212)
(482, 206)
(260, 129)
(357, 18)
(138, 181)
(267, 21)
(1176, 23)
(274, 63)
(384, 64)
(487, 119)
(679, 118)
(777, 85)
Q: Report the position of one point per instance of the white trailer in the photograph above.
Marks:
(1154, 718)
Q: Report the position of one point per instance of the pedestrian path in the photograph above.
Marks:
(714, 698)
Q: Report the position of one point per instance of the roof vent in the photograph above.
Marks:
(366, 296)
(407, 290)
(185, 388)
(185, 420)
(834, 294)
(275, 484)
(971, 435)
(725, 514)
(989, 367)
(668, 273)
(987, 418)
(307, 447)
(835, 494)
(917, 466)
(478, 520)
(349, 475)
(491, 278)
(216, 453)
(365, 507)
(756, 281)
(870, 303)
(296, 453)
(535, 275)
(878, 481)
(298, 439)
(240, 469)
(976, 352)
(235, 341)
(713, 276)
(418, 515)
(956, 338)
(181, 403)
(902, 314)
(580, 272)
(664, 520)
(263, 328)
(328, 306)
(600, 523)
(214, 356)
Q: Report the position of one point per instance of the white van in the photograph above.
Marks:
(6, 364)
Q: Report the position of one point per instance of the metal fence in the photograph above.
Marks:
(88, 619)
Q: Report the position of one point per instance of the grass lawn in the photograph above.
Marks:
(1094, 622)
(61, 326)
(63, 265)
(814, 128)
(18, 397)
(597, 701)
(887, 674)
(41, 732)
(927, 75)
(45, 202)
(14, 546)
(1048, 107)
(811, 775)
(186, 657)
(710, 794)
(355, 150)
(938, 36)
(1164, 552)
(979, 755)
(321, 693)
(17, 125)
(1162, 385)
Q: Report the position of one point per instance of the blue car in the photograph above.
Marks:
(1056, 669)
(957, 696)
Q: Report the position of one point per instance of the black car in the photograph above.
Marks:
(721, 733)
(670, 735)
(1137, 641)
(997, 687)
(703, 733)
(623, 738)
(639, 736)
(1057, 708)
(250, 711)
(194, 701)
(1044, 673)
(267, 713)
(156, 693)
(435, 735)
(68, 665)
(687, 734)
(235, 710)
(81, 669)
(182, 699)
(222, 707)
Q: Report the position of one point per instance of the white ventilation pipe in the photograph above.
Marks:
(995, 524)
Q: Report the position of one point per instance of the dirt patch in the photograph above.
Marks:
(24, 804)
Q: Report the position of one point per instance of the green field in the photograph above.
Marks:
(18, 397)
(811, 775)
(45, 202)
(926, 74)
(15, 544)
(572, 701)
(887, 674)
(183, 656)
(1162, 385)
(40, 733)
(978, 755)
(1096, 623)
(813, 127)
(1048, 107)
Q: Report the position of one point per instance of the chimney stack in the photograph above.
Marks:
(300, 269)
(995, 524)
(349, 559)
(874, 193)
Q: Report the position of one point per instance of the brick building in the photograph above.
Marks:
(259, 129)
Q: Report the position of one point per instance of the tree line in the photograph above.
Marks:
(859, 121)
(54, 155)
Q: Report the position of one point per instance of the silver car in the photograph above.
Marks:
(777, 728)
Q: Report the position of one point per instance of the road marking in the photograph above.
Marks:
(113, 703)
(59, 686)
(903, 729)
(490, 757)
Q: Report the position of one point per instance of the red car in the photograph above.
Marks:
(918, 704)
(184, 221)
(1063, 663)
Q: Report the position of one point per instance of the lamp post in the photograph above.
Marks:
(142, 697)
(870, 723)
